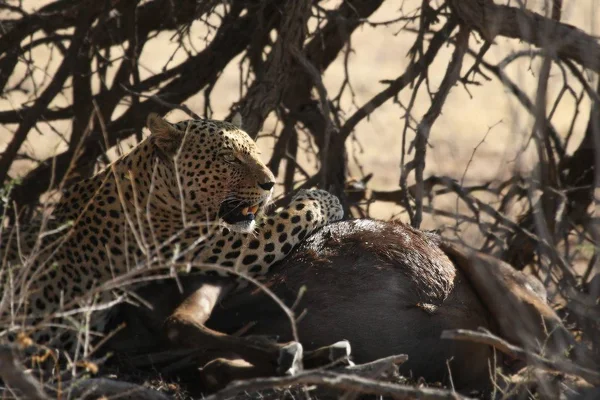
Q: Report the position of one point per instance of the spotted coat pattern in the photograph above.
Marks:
(163, 201)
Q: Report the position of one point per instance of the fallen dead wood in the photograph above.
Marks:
(551, 384)
(502, 345)
(95, 388)
(16, 378)
(24, 385)
(380, 367)
(344, 382)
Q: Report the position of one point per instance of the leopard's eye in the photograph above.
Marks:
(230, 158)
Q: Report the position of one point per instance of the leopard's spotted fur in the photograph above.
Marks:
(168, 199)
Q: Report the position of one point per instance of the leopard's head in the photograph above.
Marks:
(220, 173)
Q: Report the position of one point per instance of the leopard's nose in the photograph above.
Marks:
(266, 185)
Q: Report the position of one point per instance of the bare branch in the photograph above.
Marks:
(424, 127)
(32, 114)
(395, 86)
(566, 41)
(487, 338)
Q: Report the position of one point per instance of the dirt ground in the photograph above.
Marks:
(486, 118)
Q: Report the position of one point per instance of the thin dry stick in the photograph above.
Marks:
(324, 100)
(38, 248)
(118, 184)
(178, 176)
(381, 368)
(395, 86)
(338, 381)
(424, 127)
(378, 367)
(158, 100)
(502, 345)
(545, 177)
(478, 206)
(102, 388)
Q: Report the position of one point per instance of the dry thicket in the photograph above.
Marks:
(94, 85)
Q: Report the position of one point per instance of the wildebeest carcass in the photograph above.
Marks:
(383, 286)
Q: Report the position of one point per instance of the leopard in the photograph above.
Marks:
(192, 193)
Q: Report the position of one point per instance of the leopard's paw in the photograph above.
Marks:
(329, 205)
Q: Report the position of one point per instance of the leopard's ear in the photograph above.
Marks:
(237, 120)
(163, 135)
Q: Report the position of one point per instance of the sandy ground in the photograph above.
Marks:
(485, 118)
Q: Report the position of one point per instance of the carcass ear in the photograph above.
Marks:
(163, 135)
(237, 120)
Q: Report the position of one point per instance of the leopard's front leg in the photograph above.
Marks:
(279, 233)
(275, 237)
